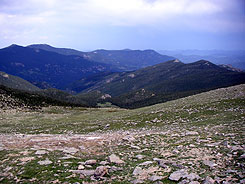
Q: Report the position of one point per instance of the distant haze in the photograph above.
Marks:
(118, 24)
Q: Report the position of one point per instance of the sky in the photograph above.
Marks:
(119, 24)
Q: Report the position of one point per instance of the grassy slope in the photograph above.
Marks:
(84, 120)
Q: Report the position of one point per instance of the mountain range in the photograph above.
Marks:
(47, 69)
(32, 68)
(235, 58)
(125, 60)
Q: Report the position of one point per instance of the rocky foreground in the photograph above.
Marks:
(199, 139)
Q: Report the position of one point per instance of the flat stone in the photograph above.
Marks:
(114, 169)
(90, 162)
(242, 181)
(81, 167)
(158, 182)
(146, 163)
(41, 152)
(155, 178)
(177, 175)
(115, 159)
(135, 147)
(162, 163)
(100, 172)
(138, 171)
(194, 182)
(83, 172)
(26, 159)
(45, 162)
(137, 181)
(104, 163)
(67, 157)
(209, 163)
(242, 156)
(70, 150)
(129, 138)
(191, 133)
(139, 157)
(192, 176)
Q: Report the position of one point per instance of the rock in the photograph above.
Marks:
(81, 167)
(83, 172)
(104, 163)
(129, 138)
(70, 150)
(209, 163)
(115, 159)
(208, 180)
(194, 182)
(236, 148)
(45, 162)
(177, 175)
(192, 176)
(67, 157)
(155, 178)
(242, 157)
(191, 133)
(139, 157)
(162, 163)
(100, 172)
(135, 147)
(26, 159)
(90, 162)
(242, 181)
(41, 152)
(137, 181)
(158, 182)
(137, 171)
(146, 163)
(113, 169)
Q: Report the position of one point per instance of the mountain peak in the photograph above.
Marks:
(176, 61)
(14, 45)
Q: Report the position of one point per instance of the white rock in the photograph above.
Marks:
(115, 159)
(191, 133)
(177, 175)
(81, 167)
(137, 171)
(41, 152)
(70, 150)
(45, 162)
(90, 162)
(209, 163)
(146, 163)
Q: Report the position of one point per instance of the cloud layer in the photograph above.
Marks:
(50, 20)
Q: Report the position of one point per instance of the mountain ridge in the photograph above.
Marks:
(163, 82)
(125, 59)
(37, 66)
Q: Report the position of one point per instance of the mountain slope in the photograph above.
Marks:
(163, 82)
(123, 59)
(43, 67)
(14, 82)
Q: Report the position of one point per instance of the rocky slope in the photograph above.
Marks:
(197, 139)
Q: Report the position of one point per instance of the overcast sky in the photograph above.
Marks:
(119, 24)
